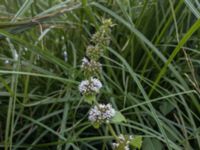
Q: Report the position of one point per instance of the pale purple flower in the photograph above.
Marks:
(90, 86)
(101, 113)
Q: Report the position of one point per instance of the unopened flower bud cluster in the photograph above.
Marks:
(102, 36)
(122, 143)
(94, 52)
(90, 67)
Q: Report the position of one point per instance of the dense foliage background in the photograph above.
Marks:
(150, 72)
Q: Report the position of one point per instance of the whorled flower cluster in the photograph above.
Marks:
(90, 87)
(101, 113)
(90, 67)
(123, 142)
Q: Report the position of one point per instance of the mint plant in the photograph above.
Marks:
(102, 113)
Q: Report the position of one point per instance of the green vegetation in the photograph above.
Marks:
(150, 74)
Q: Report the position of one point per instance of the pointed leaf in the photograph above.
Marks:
(118, 118)
(90, 99)
(136, 142)
(96, 125)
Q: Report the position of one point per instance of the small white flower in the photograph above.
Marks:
(65, 55)
(6, 61)
(90, 86)
(126, 147)
(101, 113)
(83, 86)
(115, 145)
(96, 84)
(85, 61)
(121, 137)
(123, 142)
(131, 137)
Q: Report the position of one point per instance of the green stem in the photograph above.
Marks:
(113, 132)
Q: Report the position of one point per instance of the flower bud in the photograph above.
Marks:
(94, 52)
(101, 37)
(90, 68)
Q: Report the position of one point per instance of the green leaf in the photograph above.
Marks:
(166, 108)
(96, 125)
(152, 144)
(136, 142)
(90, 99)
(118, 118)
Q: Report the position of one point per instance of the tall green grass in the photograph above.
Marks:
(151, 73)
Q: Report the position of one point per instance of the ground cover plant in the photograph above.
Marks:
(99, 75)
